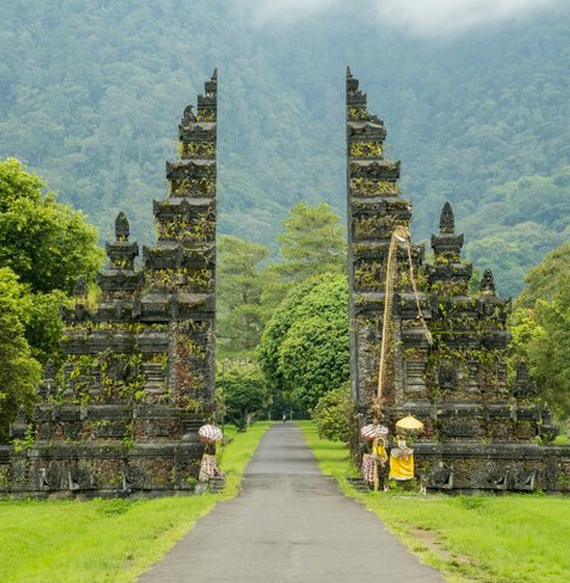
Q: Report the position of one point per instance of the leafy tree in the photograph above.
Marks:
(333, 414)
(313, 241)
(44, 326)
(540, 326)
(525, 331)
(46, 243)
(548, 352)
(44, 247)
(19, 372)
(240, 284)
(244, 391)
(545, 279)
(304, 350)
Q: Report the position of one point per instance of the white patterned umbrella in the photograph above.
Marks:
(210, 434)
(373, 431)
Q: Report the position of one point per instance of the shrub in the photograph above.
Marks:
(333, 414)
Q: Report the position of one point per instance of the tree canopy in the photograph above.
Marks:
(540, 325)
(313, 241)
(304, 350)
(48, 244)
(44, 247)
(244, 392)
(19, 371)
(241, 313)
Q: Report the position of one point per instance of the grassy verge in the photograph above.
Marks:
(484, 539)
(107, 541)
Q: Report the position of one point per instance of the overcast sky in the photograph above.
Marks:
(423, 17)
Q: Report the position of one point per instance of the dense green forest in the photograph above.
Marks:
(91, 92)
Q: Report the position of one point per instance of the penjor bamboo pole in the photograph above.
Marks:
(387, 318)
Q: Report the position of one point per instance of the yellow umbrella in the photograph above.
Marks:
(410, 423)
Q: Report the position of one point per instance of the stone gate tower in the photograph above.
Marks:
(122, 416)
(481, 432)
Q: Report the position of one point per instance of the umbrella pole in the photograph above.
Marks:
(375, 458)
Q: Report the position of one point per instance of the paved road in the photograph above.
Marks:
(290, 524)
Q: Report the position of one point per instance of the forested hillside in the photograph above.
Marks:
(91, 93)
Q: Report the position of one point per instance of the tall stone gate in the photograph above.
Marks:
(122, 416)
(480, 431)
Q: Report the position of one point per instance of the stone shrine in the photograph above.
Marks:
(480, 431)
(122, 416)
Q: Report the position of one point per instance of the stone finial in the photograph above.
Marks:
(49, 382)
(488, 282)
(80, 289)
(21, 418)
(122, 227)
(211, 85)
(525, 386)
(446, 219)
(548, 430)
(188, 117)
(351, 82)
(49, 370)
(20, 426)
(522, 373)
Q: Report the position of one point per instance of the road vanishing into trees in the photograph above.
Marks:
(290, 524)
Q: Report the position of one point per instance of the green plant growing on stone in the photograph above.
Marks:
(206, 116)
(198, 150)
(27, 443)
(128, 440)
(366, 187)
(357, 114)
(366, 150)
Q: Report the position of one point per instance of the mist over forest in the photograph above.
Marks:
(91, 94)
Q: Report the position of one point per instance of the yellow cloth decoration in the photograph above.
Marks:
(402, 468)
(381, 454)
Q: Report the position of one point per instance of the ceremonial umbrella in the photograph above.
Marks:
(373, 431)
(210, 434)
(410, 424)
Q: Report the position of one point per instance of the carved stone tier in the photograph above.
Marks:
(174, 255)
(146, 342)
(122, 254)
(375, 170)
(120, 280)
(197, 169)
(197, 132)
(173, 207)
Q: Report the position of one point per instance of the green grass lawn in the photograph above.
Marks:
(491, 539)
(107, 541)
